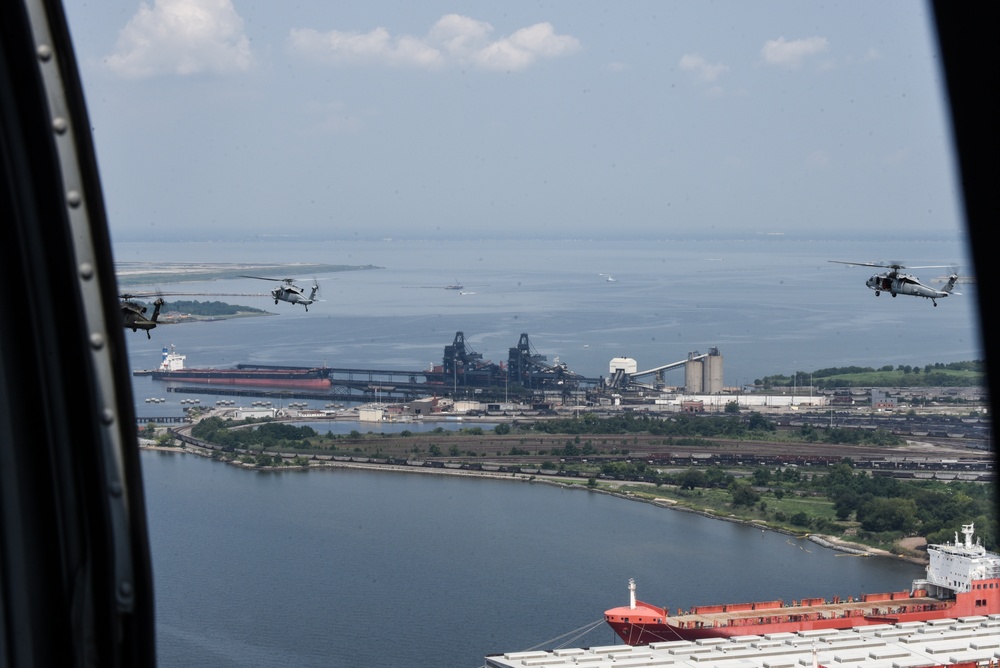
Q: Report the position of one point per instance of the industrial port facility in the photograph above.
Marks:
(526, 377)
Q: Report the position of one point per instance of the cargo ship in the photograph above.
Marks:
(172, 369)
(962, 580)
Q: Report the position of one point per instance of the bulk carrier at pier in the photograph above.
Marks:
(172, 369)
(963, 580)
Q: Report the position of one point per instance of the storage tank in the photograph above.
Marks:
(693, 374)
(712, 372)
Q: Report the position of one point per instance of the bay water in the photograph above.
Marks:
(352, 569)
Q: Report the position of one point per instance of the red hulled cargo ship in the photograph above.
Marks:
(962, 580)
(172, 369)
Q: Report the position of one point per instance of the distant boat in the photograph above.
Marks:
(456, 286)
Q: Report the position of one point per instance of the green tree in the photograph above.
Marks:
(799, 519)
(743, 494)
(716, 477)
(692, 478)
(758, 422)
(882, 514)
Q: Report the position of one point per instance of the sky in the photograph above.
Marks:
(237, 119)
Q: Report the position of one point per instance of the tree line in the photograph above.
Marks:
(751, 426)
(952, 374)
(263, 436)
(206, 308)
(881, 507)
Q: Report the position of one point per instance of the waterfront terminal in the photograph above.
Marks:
(967, 642)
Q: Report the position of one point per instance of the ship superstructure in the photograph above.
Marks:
(963, 579)
(171, 360)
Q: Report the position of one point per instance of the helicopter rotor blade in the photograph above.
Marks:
(266, 278)
(890, 265)
(863, 264)
(150, 295)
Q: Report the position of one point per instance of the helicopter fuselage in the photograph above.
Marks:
(134, 315)
(904, 284)
(292, 295)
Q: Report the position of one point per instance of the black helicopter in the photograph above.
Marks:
(287, 291)
(134, 313)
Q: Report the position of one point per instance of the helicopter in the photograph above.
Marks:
(289, 292)
(134, 313)
(897, 283)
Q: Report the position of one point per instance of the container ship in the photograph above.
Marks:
(962, 580)
(172, 368)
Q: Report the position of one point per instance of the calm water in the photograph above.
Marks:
(348, 568)
(365, 569)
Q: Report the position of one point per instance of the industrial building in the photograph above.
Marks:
(702, 374)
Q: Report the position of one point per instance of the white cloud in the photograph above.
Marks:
(692, 62)
(453, 39)
(375, 46)
(182, 37)
(460, 36)
(791, 54)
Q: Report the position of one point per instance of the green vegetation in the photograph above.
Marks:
(266, 435)
(954, 374)
(683, 429)
(835, 500)
(207, 308)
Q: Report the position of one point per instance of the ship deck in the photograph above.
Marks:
(966, 642)
(823, 611)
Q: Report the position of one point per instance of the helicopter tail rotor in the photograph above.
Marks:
(949, 287)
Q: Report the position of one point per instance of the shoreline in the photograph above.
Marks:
(830, 542)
